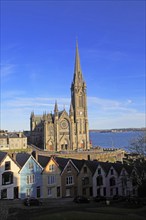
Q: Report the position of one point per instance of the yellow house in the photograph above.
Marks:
(51, 176)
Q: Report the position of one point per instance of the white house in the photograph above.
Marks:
(100, 180)
(112, 180)
(9, 177)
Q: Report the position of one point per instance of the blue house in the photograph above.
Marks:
(30, 176)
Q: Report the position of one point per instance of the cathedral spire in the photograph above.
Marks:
(77, 68)
(56, 107)
(77, 60)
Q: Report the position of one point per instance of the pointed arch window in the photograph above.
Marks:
(112, 181)
(99, 180)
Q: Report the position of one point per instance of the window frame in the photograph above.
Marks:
(7, 178)
(51, 167)
(69, 180)
(30, 179)
(7, 165)
(51, 179)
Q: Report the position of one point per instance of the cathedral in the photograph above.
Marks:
(60, 130)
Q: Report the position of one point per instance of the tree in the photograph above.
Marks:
(138, 145)
(137, 158)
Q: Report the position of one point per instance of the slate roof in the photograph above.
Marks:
(12, 135)
(128, 168)
(21, 158)
(3, 135)
(2, 155)
(43, 160)
(118, 167)
(92, 165)
(78, 163)
(106, 166)
(61, 162)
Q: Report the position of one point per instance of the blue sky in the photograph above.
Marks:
(38, 52)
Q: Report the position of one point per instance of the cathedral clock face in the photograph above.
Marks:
(64, 124)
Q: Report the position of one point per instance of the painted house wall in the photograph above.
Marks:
(85, 187)
(51, 180)
(112, 190)
(125, 183)
(133, 183)
(102, 189)
(9, 187)
(69, 188)
(30, 179)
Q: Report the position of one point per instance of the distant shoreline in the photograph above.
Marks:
(117, 130)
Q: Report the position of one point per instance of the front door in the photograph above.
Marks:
(58, 191)
(16, 190)
(68, 193)
(38, 192)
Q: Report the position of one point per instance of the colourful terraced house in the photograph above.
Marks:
(51, 175)
(9, 177)
(30, 176)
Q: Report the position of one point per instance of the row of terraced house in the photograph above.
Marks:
(23, 175)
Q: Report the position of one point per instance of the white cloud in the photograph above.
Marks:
(7, 70)
(37, 102)
(103, 113)
(109, 104)
(106, 113)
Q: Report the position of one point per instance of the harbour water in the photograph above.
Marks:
(114, 139)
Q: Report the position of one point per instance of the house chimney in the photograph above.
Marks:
(14, 156)
(20, 134)
(35, 155)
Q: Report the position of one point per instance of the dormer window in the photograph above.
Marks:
(112, 172)
(99, 171)
(31, 166)
(69, 168)
(51, 167)
(7, 165)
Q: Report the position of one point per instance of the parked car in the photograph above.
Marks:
(134, 200)
(81, 199)
(117, 197)
(99, 198)
(32, 202)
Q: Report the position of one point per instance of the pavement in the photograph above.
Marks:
(15, 209)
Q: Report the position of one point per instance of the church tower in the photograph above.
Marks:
(79, 105)
(61, 131)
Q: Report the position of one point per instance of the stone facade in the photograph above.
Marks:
(12, 141)
(62, 131)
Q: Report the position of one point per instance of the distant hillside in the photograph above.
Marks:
(117, 130)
